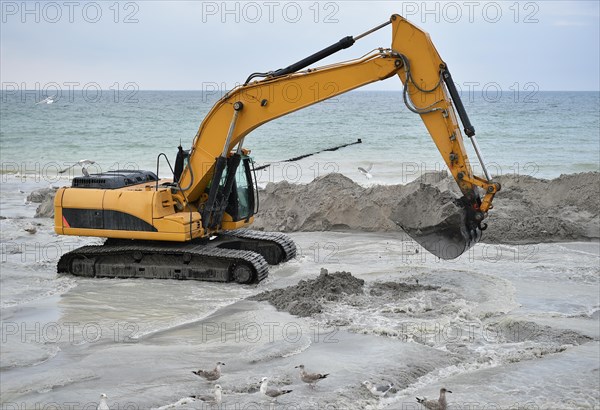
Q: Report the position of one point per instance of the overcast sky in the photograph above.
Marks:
(177, 45)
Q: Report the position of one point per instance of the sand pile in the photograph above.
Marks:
(305, 298)
(526, 210)
(536, 210)
(329, 202)
(334, 202)
(513, 331)
(44, 197)
(308, 296)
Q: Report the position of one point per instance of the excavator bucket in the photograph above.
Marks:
(443, 225)
(448, 239)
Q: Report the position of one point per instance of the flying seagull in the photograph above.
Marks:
(210, 375)
(271, 393)
(47, 100)
(366, 172)
(310, 378)
(82, 163)
(439, 404)
(215, 398)
(378, 389)
(102, 405)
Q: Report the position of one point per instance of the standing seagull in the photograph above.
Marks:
(82, 164)
(439, 404)
(216, 398)
(366, 172)
(378, 389)
(210, 375)
(271, 393)
(310, 378)
(102, 405)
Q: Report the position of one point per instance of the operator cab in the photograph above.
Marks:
(242, 200)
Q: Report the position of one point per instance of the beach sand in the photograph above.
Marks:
(512, 323)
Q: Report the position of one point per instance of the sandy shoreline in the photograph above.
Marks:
(504, 316)
(467, 324)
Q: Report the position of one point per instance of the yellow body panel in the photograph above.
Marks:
(58, 216)
(93, 198)
(129, 234)
(229, 224)
(138, 203)
(142, 202)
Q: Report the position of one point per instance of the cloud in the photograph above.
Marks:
(185, 45)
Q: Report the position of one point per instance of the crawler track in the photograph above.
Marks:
(261, 240)
(153, 261)
(242, 256)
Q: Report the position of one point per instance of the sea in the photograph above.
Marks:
(541, 134)
(502, 327)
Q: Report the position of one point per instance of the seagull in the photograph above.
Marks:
(366, 172)
(378, 389)
(82, 164)
(47, 100)
(439, 404)
(310, 378)
(272, 393)
(215, 398)
(102, 405)
(210, 375)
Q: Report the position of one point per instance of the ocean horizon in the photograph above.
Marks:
(539, 133)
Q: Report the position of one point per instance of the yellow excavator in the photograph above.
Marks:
(195, 225)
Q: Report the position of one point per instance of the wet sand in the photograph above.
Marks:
(504, 325)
